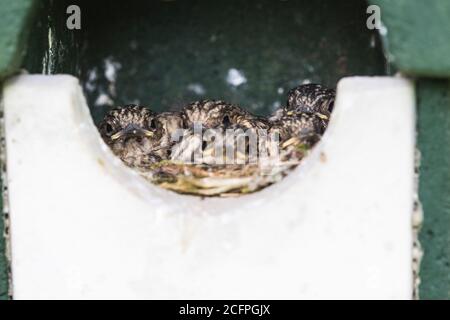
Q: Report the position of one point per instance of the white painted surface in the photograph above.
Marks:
(84, 226)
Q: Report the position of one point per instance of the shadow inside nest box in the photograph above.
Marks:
(164, 54)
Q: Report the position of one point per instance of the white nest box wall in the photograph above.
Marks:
(85, 226)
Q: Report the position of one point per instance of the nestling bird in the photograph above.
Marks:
(132, 134)
(169, 124)
(155, 143)
(309, 99)
(211, 113)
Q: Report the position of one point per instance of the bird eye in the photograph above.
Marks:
(226, 121)
(153, 124)
(109, 129)
(331, 106)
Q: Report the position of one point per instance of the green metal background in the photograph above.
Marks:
(418, 39)
(418, 34)
(164, 47)
(14, 29)
(16, 17)
(434, 144)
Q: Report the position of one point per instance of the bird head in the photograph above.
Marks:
(128, 122)
(132, 132)
(212, 114)
(311, 99)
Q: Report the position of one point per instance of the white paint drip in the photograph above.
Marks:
(197, 88)
(103, 99)
(236, 77)
(111, 68)
(92, 78)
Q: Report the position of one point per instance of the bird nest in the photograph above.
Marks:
(221, 180)
(212, 148)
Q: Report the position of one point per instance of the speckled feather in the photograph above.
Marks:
(311, 98)
(211, 113)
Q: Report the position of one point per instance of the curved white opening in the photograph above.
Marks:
(86, 226)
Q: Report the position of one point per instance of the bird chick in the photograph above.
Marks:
(132, 134)
(302, 127)
(311, 98)
(296, 134)
(170, 126)
(211, 113)
(220, 121)
(216, 148)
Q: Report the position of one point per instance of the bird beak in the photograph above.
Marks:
(132, 130)
(289, 142)
(147, 133)
(117, 135)
(321, 116)
(290, 113)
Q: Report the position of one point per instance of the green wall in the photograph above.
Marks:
(418, 34)
(434, 144)
(418, 39)
(16, 17)
(172, 45)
